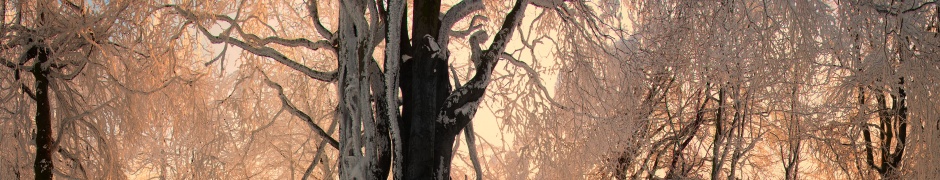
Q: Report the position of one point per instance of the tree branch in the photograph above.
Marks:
(21, 60)
(252, 38)
(315, 15)
(534, 75)
(71, 75)
(300, 114)
(55, 145)
(316, 158)
(453, 15)
(884, 10)
(458, 12)
(474, 26)
(471, 146)
(9, 64)
(28, 91)
(382, 139)
(393, 51)
(267, 51)
(461, 105)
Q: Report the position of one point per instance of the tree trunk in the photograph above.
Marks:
(424, 86)
(43, 165)
(432, 115)
(719, 135)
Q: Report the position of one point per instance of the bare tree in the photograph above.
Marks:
(59, 61)
(371, 130)
(885, 41)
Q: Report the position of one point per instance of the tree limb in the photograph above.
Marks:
(316, 158)
(885, 10)
(9, 64)
(382, 142)
(471, 146)
(267, 51)
(461, 105)
(254, 39)
(315, 15)
(300, 114)
(453, 15)
(393, 53)
(28, 91)
(71, 75)
(474, 25)
(534, 75)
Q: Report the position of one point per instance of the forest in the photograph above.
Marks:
(470, 89)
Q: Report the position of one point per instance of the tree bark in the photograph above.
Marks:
(719, 135)
(424, 86)
(396, 11)
(43, 165)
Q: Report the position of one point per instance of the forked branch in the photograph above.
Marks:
(461, 105)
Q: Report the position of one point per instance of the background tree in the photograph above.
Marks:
(883, 48)
(733, 75)
(63, 83)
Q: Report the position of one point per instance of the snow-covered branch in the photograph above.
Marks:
(455, 14)
(267, 51)
(534, 75)
(461, 105)
(300, 114)
(320, 151)
(315, 15)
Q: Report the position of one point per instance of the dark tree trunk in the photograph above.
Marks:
(424, 86)
(43, 165)
(431, 113)
(719, 135)
(893, 127)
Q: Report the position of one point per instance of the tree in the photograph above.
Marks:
(433, 111)
(882, 63)
(59, 78)
(752, 87)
